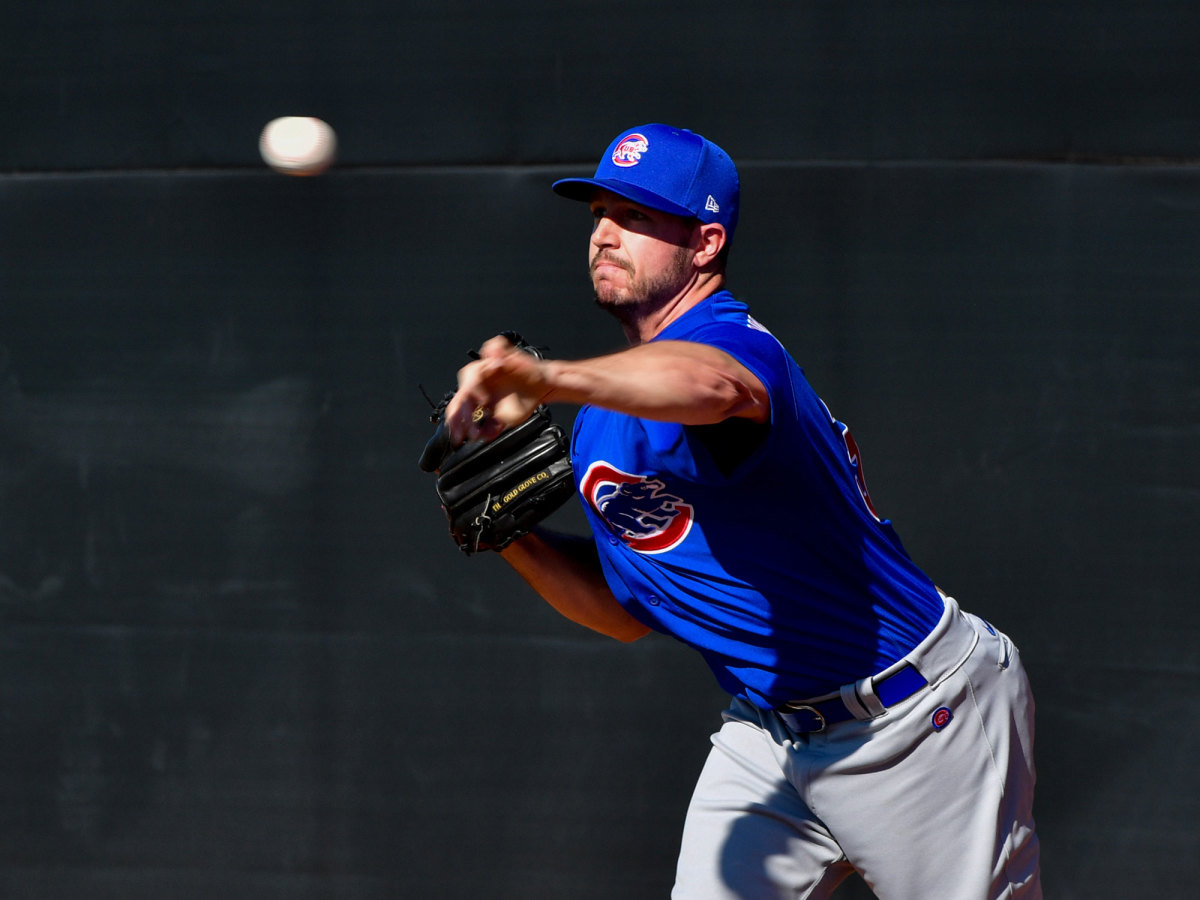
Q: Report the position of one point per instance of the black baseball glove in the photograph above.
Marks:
(494, 492)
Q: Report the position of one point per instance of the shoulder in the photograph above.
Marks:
(725, 322)
(735, 330)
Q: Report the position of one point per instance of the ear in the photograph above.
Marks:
(710, 241)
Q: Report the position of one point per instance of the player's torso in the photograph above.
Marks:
(777, 575)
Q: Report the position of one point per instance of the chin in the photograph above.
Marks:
(610, 301)
(607, 302)
(608, 294)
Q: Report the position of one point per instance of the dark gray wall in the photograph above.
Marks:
(238, 654)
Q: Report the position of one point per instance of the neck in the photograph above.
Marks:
(642, 325)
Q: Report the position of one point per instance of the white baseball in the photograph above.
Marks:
(298, 145)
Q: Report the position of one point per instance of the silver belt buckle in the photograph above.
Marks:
(800, 707)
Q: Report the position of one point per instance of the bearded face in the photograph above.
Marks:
(639, 258)
(629, 289)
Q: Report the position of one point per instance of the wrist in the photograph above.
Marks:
(551, 373)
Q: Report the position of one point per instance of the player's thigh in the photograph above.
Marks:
(939, 804)
(748, 834)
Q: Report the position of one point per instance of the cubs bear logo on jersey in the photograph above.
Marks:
(640, 510)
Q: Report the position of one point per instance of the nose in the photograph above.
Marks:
(604, 232)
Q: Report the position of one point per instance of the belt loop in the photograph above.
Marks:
(870, 700)
(850, 698)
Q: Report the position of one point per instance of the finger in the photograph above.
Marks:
(492, 394)
(486, 428)
(496, 347)
(458, 416)
(472, 415)
(513, 410)
(471, 421)
(479, 375)
(467, 397)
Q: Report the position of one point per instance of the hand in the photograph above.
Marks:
(500, 389)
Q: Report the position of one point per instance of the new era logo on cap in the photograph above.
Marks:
(669, 169)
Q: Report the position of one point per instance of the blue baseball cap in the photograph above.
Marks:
(669, 169)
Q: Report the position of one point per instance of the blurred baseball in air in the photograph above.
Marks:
(298, 145)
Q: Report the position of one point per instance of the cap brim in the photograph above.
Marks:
(582, 189)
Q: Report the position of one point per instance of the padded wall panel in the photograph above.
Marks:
(143, 85)
(241, 655)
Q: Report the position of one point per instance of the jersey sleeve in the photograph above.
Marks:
(686, 450)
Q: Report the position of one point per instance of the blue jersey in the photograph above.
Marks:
(777, 570)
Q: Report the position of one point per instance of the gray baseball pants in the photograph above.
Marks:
(930, 799)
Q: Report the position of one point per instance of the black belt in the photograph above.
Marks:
(808, 717)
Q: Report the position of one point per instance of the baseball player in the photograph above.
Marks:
(874, 725)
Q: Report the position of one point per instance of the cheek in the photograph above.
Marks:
(662, 258)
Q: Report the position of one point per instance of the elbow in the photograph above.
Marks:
(730, 398)
(633, 632)
(745, 405)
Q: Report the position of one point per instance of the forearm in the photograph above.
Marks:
(670, 381)
(566, 572)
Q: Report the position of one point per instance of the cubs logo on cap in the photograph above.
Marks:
(669, 169)
(629, 150)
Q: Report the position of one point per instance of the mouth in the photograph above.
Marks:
(602, 265)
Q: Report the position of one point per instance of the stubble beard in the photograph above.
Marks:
(641, 296)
